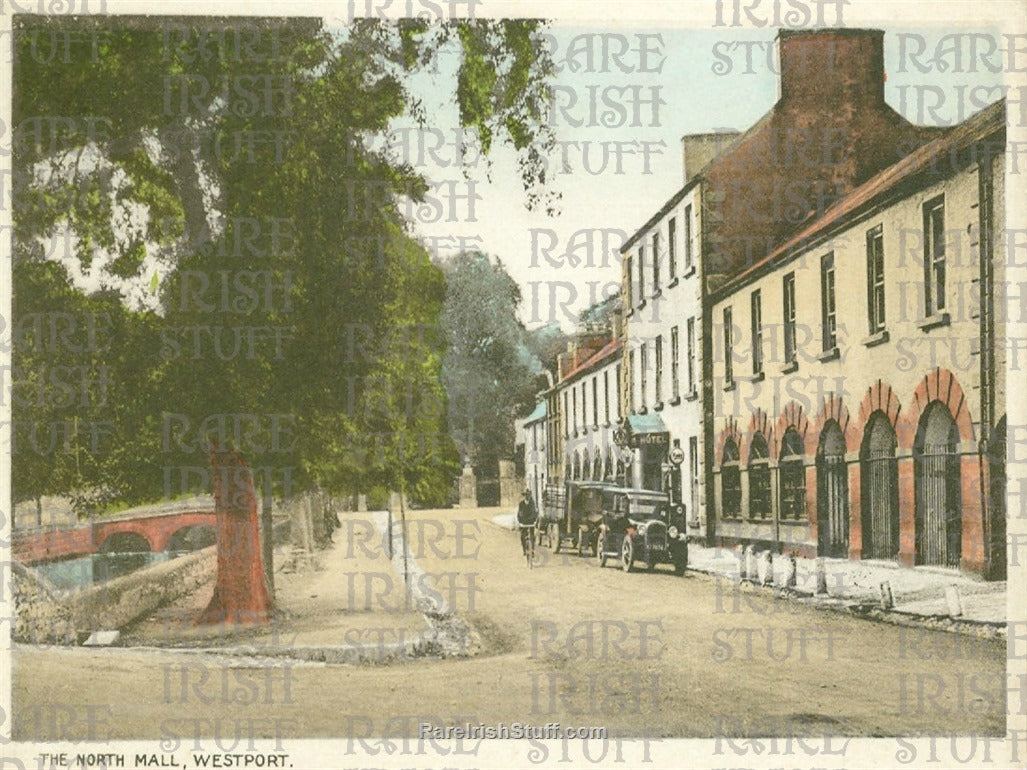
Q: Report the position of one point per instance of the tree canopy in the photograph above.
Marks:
(218, 203)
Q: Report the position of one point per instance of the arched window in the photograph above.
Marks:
(730, 481)
(759, 478)
(792, 474)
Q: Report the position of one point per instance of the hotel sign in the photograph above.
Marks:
(651, 439)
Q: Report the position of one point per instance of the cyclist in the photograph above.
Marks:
(527, 518)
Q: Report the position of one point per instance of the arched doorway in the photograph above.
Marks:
(939, 504)
(879, 482)
(832, 493)
(997, 475)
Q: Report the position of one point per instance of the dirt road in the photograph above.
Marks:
(569, 642)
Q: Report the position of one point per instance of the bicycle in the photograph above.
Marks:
(528, 543)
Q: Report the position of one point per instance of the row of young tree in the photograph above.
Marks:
(208, 251)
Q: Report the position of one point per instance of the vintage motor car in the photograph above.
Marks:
(573, 513)
(642, 526)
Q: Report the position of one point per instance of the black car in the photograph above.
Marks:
(642, 526)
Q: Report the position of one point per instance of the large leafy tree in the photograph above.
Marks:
(489, 372)
(231, 150)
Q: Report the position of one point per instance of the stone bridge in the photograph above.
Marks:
(152, 530)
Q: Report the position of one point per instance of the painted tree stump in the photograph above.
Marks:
(240, 593)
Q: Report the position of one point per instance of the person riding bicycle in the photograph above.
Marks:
(527, 518)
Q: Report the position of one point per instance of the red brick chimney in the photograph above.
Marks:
(831, 66)
(829, 132)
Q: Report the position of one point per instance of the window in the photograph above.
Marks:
(627, 283)
(730, 482)
(934, 255)
(595, 402)
(641, 274)
(693, 455)
(675, 388)
(584, 409)
(757, 333)
(690, 341)
(617, 383)
(672, 231)
(631, 381)
(789, 318)
(606, 392)
(643, 364)
(827, 302)
(759, 478)
(688, 237)
(659, 369)
(566, 415)
(656, 262)
(729, 374)
(574, 409)
(793, 476)
(875, 280)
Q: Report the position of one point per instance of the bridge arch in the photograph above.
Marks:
(125, 541)
(191, 537)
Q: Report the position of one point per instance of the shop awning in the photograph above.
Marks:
(645, 423)
(647, 430)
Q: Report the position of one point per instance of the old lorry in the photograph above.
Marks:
(572, 513)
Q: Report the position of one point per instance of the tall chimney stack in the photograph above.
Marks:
(832, 67)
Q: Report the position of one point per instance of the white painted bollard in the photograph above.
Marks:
(765, 568)
(791, 571)
(887, 600)
(740, 555)
(954, 601)
(821, 573)
(750, 564)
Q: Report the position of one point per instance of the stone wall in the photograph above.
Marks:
(40, 617)
(47, 617)
(116, 603)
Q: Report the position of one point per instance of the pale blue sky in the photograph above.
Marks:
(697, 99)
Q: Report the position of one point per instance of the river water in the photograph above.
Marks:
(85, 571)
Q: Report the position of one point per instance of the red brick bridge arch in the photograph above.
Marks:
(157, 529)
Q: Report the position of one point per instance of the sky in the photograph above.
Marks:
(705, 82)
(618, 157)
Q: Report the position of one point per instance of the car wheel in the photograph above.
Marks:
(627, 555)
(601, 549)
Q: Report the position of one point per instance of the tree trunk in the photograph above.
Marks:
(267, 545)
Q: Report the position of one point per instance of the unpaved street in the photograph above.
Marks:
(641, 654)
